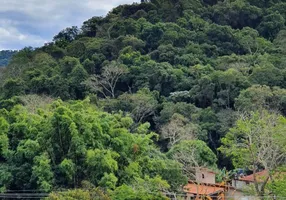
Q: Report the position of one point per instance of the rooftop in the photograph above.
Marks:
(260, 176)
(202, 189)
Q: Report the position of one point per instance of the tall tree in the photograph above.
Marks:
(193, 154)
(107, 81)
(178, 129)
(257, 141)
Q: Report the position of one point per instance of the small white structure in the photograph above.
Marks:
(243, 182)
(239, 184)
(204, 175)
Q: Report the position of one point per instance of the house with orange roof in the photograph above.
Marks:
(242, 182)
(261, 176)
(204, 187)
(204, 191)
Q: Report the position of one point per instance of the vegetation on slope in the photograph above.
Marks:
(5, 57)
(183, 69)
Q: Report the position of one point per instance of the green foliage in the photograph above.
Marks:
(245, 142)
(108, 181)
(198, 150)
(279, 186)
(257, 141)
(101, 162)
(67, 167)
(150, 188)
(185, 69)
(13, 87)
(141, 105)
(271, 25)
(65, 36)
(66, 143)
(258, 97)
(79, 194)
(42, 172)
(5, 57)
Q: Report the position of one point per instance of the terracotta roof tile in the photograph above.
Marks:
(261, 176)
(202, 189)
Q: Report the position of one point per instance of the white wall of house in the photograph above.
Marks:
(205, 176)
(239, 184)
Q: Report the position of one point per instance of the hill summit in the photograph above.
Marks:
(129, 104)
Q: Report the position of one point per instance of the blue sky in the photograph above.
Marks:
(34, 22)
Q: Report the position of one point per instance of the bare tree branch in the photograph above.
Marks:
(179, 129)
(107, 81)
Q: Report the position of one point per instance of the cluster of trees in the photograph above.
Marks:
(206, 76)
(258, 141)
(63, 145)
(5, 57)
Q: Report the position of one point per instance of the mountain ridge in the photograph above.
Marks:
(178, 83)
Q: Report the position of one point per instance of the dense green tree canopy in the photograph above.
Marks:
(5, 57)
(162, 77)
(68, 143)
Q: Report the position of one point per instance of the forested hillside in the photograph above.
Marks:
(129, 104)
(5, 57)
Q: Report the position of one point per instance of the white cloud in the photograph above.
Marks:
(33, 22)
(105, 6)
(11, 37)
